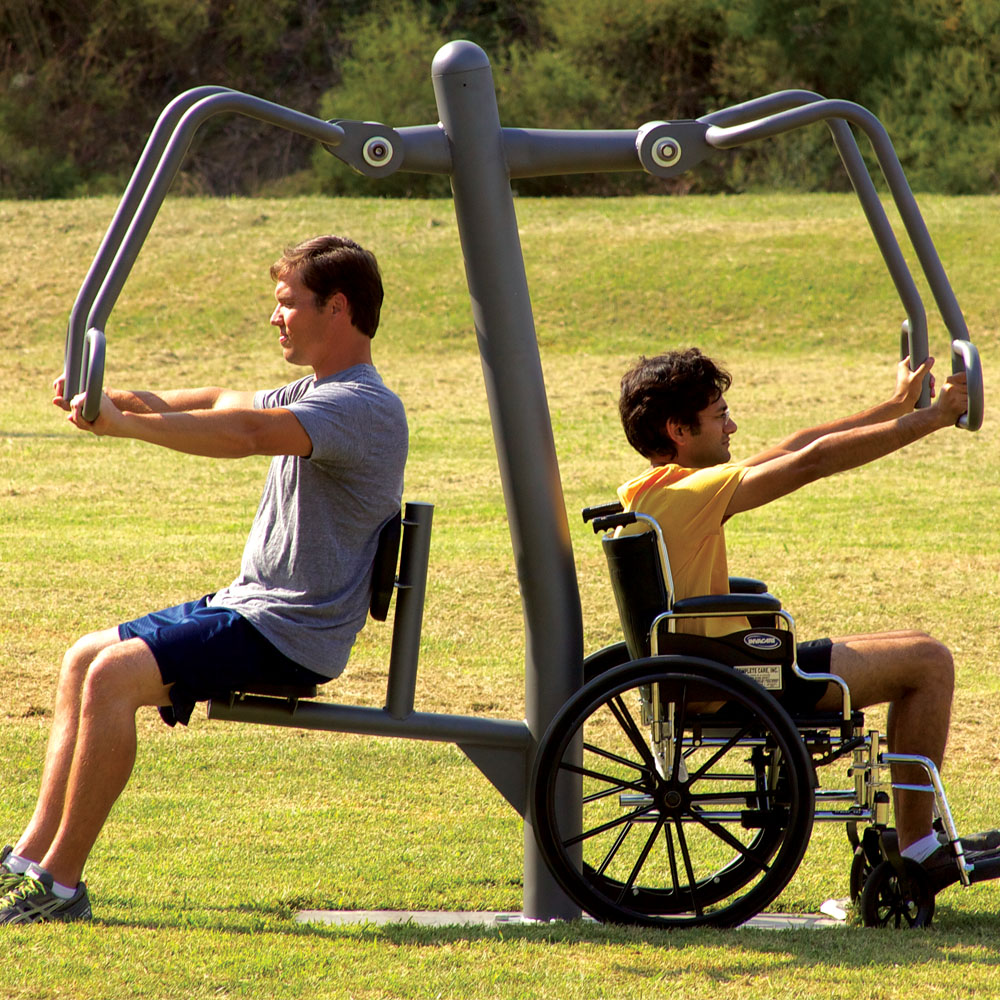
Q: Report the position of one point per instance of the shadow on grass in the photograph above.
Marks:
(957, 937)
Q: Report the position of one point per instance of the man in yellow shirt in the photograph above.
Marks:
(674, 413)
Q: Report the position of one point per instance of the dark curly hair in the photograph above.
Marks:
(677, 385)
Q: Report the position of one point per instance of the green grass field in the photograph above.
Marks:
(226, 830)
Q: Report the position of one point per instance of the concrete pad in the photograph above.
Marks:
(467, 918)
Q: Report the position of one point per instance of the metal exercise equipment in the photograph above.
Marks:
(481, 157)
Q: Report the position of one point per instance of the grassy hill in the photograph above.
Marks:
(226, 830)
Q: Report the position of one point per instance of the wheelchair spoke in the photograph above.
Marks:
(619, 784)
(623, 716)
(610, 825)
(688, 868)
(720, 753)
(610, 856)
(616, 758)
(726, 837)
(641, 860)
(671, 857)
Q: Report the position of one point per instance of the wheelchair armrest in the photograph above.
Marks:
(719, 604)
(746, 585)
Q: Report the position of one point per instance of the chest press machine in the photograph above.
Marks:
(755, 820)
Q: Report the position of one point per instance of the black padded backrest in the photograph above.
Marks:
(637, 581)
(384, 567)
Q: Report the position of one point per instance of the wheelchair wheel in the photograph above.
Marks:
(605, 659)
(860, 870)
(692, 813)
(891, 900)
(762, 844)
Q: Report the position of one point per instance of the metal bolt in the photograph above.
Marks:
(666, 152)
(377, 151)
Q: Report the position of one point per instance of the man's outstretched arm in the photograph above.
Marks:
(222, 431)
(170, 401)
(902, 401)
(847, 449)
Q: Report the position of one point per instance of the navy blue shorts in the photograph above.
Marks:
(205, 652)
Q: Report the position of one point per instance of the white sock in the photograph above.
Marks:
(16, 863)
(63, 891)
(59, 890)
(922, 849)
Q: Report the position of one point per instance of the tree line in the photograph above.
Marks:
(83, 81)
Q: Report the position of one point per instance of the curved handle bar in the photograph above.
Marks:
(965, 357)
(92, 378)
(913, 345)
(77, 327)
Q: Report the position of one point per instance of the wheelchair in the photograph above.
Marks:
(697, 785)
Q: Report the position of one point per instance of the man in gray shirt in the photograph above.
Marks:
(339, 441)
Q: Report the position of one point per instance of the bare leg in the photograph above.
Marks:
(914, 674)
(121, 679)
(91, 762)
(42, 826)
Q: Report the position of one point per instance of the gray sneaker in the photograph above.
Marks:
(33, 901)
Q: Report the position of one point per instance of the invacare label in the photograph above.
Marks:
(761, 640)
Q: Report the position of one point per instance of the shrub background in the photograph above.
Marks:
(82, 82)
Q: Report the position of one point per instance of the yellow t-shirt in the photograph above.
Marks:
(690, 505)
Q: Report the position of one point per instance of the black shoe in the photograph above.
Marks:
(941, 867)
(988, 840)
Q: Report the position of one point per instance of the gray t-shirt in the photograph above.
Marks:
(305, 580)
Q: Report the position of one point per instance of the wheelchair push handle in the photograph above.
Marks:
(965, 357)
(609, 521)
(601, 510)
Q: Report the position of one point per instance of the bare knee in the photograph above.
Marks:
(936, 664)
(103, 679)
(121, 677)
(890, 666)
(78, 658)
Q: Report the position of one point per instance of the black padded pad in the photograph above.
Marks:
(384, 567)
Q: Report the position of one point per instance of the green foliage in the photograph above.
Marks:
(942, 108)
(836, 47)
(655, 58)
(386, 78)
(81, 84)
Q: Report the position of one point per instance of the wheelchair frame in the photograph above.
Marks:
(663, 788)
(469, 145)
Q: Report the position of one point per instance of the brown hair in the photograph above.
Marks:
(331, 264)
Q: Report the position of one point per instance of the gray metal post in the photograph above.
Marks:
(484, 207)
(411, 588)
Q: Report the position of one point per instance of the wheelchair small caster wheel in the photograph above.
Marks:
(891, 899)
(861, 869)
